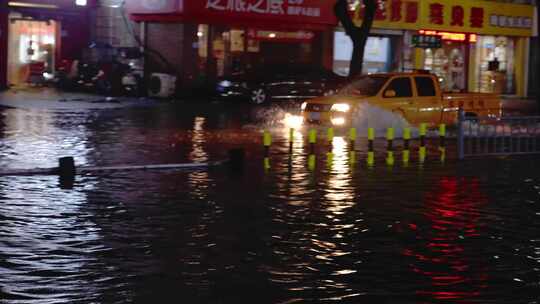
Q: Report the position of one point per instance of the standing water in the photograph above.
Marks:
(452, 232)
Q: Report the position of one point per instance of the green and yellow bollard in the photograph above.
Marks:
(291, 139)
(267, 142)
(422, 150)
(312, 141)
(390, 147)
(330, 135)
(371, 153)
(406, 145)
(330, 139)
(352, 141)
(311, 162)
(442, 143)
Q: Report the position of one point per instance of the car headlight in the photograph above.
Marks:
(303, 106)
(341, 107)
(225, 83)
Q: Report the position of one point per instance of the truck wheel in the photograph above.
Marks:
(258, 96)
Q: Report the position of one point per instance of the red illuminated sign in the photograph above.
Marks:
(307, 14)
(450, 36)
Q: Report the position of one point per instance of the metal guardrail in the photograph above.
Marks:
(483, 136)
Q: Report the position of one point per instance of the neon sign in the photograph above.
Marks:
(448, 36)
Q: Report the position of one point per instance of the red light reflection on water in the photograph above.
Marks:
(452, 210)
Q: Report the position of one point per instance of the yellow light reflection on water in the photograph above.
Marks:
(339, 194)
(198, 180)
(198, 139)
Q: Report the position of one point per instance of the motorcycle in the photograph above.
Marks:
(130, 70)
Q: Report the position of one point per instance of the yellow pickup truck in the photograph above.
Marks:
(416, 96)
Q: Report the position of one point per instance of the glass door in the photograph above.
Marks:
(31, 51)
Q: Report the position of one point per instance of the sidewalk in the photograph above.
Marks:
(52, 99)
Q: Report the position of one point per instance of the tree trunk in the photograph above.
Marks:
(358, 35)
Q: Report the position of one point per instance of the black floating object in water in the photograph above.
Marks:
(66, 167)
(67, 172)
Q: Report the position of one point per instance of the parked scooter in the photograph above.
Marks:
(131, 72)
(94, 77)
(104, 70)
(64, 74)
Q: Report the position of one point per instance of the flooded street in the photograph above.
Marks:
(452, 232)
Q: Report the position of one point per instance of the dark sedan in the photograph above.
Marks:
(283, 83)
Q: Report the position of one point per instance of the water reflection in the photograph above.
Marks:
(338, 233)
(198, 154)
(339, 192)
(35, 138)
(48, 243)
(447, 260)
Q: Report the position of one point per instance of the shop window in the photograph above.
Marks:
(401, 86)
(376, 54)
(425, 86)
(448, 63)
(32, 44)
(495, 69)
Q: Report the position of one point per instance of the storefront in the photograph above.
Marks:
(207, 39)
(38, 34)
(483, 47)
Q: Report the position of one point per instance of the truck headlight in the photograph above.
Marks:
(341, 107)
(338, 121)
(303, 106)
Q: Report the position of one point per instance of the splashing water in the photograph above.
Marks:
(370, 116)
(275, 117)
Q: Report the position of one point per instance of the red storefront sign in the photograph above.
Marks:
(394, 11)
(299, 13)
(476, 19)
